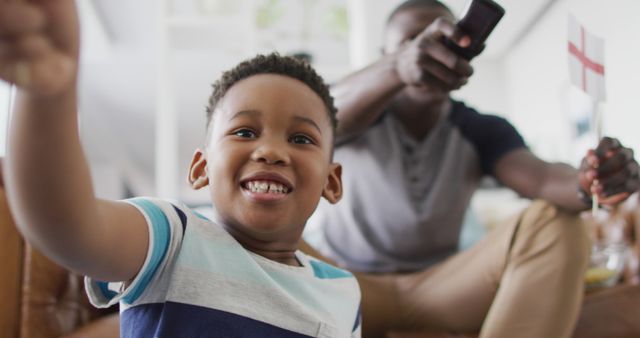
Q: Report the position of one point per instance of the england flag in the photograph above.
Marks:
(586, 60)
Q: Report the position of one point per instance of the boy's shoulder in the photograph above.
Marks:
(168, 212)
(167, 206)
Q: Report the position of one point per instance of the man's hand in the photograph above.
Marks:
(426, 60)
(39, 45)
(610, 171)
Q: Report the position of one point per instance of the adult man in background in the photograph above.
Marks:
(412, 159)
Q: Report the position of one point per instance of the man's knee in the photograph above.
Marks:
(545, 228)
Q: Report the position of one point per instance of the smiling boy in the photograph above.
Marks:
(267, 161)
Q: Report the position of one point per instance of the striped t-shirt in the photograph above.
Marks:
(198, 281)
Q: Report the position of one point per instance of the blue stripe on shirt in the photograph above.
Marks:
(325, 271)
(161, 236)
(104, 288)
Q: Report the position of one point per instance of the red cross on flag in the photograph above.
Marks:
(586, 60)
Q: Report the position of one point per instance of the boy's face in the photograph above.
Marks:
(268, 159)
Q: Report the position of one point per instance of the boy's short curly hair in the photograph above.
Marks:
(272, 63)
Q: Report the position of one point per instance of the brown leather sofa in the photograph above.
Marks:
(39, 299)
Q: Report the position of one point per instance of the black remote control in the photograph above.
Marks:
(478, 22)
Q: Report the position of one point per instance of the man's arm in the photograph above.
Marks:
(362, 96)
(610, 171)
(534, 178)
(46, 174)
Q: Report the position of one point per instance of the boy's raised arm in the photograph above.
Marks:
(47, 177)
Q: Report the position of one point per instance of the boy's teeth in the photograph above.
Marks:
(264, 187)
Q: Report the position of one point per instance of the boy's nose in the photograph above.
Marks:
(271, 153)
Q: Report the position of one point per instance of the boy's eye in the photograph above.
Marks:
(244, 133)
(301, 139)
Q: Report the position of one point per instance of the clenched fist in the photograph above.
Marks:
(39, 45)
(610, 171)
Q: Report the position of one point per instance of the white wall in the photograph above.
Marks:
(487, 88)
(537, 73)
(366, 24)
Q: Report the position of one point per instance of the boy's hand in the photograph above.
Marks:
(610, 171)
(39, 45)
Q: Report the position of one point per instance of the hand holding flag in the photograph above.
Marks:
(609, 172)
(586, 70)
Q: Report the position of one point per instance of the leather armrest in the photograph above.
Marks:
(611, 312)
(11, 262)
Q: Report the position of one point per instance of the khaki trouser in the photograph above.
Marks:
(525, 279)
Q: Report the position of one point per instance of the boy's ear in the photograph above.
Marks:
(333, 188)
(198, 171)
